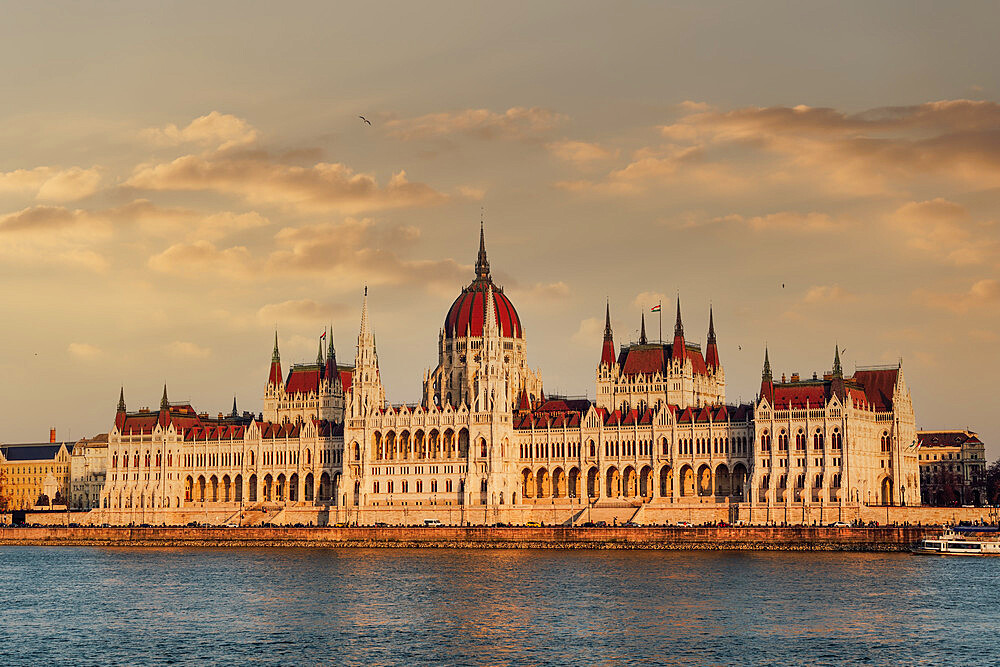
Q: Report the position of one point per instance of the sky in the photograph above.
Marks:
(178, 180)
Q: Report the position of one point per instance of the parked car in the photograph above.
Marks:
(588, 524)
(683, 524)
(432, 522)
(631, 524)
(840, 524)
(533, 524)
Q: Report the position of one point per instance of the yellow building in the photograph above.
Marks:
(33, 470)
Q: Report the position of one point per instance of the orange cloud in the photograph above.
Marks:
(218, 130)
(946, 230)
(982, 294)
(580, 152)
(52, 183)
(261, 180)
(515, 123)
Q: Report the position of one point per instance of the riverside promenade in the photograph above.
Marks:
(753, 538)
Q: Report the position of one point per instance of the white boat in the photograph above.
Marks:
(951, 543)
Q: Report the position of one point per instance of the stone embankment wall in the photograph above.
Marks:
(549, 514)
(788, 538)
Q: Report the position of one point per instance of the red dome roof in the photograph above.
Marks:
(470, 306)
(467, 313)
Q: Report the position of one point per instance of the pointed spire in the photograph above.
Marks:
(319, 354)
(642, 332)
(482, 264)
(608, 349)
(121, 399)
(678, 326)
(234, 413)
(274, 376)
(766, 374)
(164, 403)
(330, 351)
(364, 313)
(711, 350)
(838, 372)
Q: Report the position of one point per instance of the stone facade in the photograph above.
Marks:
(87, 471)
(485, 444)
(35, 469)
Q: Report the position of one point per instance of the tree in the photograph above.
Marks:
(43, 500)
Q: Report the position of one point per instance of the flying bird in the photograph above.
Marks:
(365, 119)
(782, 285)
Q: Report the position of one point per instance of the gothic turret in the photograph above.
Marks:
(234, 413)
(274, 378)
(608, 349)
(766, 381)
(677, 350)
(164, 403)
(367, 393)
(837, 387)
(120, 414)
(711, 350)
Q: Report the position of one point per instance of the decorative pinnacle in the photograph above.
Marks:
(711, 326)
(234, 412)
(274, 355)
(164, 403)
(364, 313)
(121, 400)
(607, 322)
(482, 264)
(678, 326)
(838, 372)
(319, 355)
(766, 375)
(642, 332)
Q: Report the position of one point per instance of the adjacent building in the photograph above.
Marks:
(952, 468)
(87, 469)
(33, 470)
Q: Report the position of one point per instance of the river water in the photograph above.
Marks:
(82, 605)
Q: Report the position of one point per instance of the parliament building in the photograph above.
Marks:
(485, 444)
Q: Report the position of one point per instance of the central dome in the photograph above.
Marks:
(468, 312)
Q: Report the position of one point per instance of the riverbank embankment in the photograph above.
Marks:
(751, 538)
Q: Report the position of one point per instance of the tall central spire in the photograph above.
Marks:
(766, 373)
(607, 322)
(482, 264)
(642, 333)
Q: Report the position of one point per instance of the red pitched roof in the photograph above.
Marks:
(303, 380)
(794, 395)
(879, 385)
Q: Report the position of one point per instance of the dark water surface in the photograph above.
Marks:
(81, 605)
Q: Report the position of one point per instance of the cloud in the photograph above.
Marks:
(590, 332)
(354, 250)
(946, 231)
(518, 123)
(877, 152)
(544, 291)
(48, 219)
(301, 310)
(261, 180)
(783, 221)
(52, 183)
(188, 350)
(827, 294)
(646, 300)
(201, 257)
(983, 293)
(85, 259)
(580, 152)
(217, 130)
(84, 351)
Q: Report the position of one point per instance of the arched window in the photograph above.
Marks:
(482, 449)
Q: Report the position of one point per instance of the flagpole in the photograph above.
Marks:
(660, 313)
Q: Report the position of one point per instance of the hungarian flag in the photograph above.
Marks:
(322, 335)
(655, 308)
